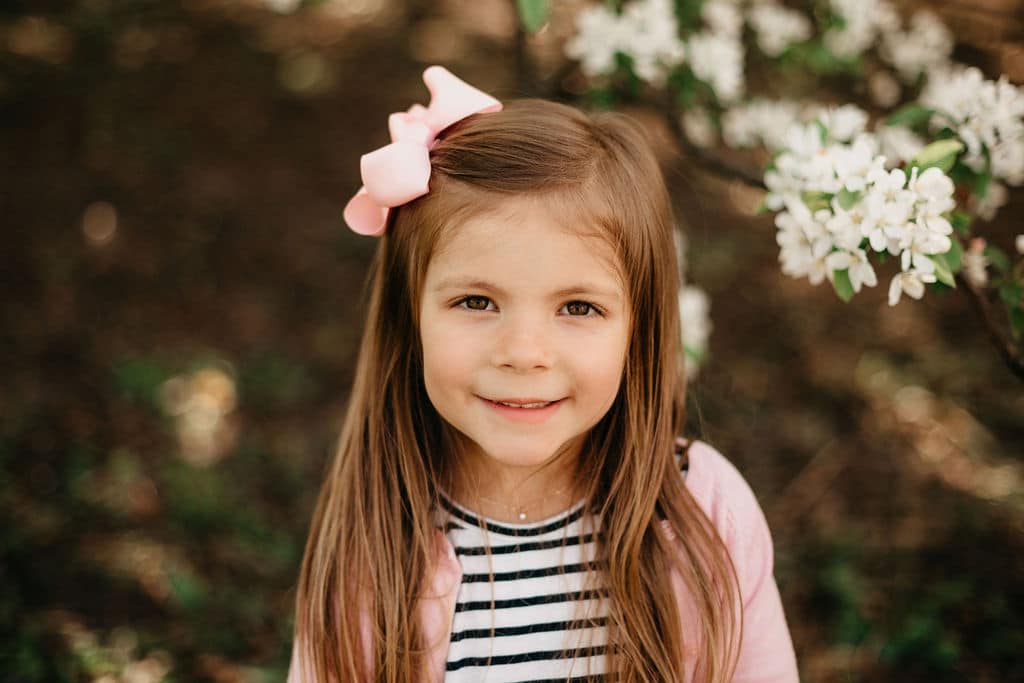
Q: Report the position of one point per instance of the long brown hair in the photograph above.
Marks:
(370, 542)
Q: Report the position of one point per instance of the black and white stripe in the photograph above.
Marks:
(529, 609)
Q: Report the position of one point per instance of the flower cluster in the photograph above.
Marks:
(860, 21)
(898, 144)
(813, 162)
(717, 59)
(988, 116)
(647, 32)
(838, 200)
(716, 54)
(924, 46)
(759, 122)
(778, 27)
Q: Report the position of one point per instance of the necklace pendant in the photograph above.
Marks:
(522, 516)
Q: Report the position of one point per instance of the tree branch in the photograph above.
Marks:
(1010, 352)
(710, 162)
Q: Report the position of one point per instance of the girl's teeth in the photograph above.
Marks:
(525, 405)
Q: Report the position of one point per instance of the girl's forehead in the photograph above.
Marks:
(505, 217)
(525, 237)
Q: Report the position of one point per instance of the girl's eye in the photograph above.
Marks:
(580, 308)
(475, 303)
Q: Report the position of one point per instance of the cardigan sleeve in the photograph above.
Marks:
(766, 649)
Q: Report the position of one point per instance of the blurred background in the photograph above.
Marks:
(181, 304)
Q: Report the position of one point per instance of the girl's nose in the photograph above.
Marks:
(523, 345)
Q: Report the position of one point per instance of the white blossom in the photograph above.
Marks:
(599, 35)
(723, 17)
(647, 31)
(778, 27)
(927, 44)
(934, 190)
(718, 61)
(850, 226)
(652, 39)
(910, 282)
(843, 123)
(696, 325)
(861, 20)
(699, 127)
(1008, 161)
(898, 144)
(974, 263)
(808, 165)
(857, 266)
(804, 241)
(1019, 244)
(916, 256)
(994, 199)
(855, 163)
(759, 122)
(986, 115)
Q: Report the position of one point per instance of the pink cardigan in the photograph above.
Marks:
(766, 651)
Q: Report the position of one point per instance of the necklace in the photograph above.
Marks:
(520, 511)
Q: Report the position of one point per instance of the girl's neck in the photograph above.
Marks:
(517, 495)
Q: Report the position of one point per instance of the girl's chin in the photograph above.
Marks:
(520, 458)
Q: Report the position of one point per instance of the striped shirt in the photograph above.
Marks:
(529, 609)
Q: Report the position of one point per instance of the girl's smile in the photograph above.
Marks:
(530, 411)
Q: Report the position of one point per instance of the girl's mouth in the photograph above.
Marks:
(525, 404)
(531, 410)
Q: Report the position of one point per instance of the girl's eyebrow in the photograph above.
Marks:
(580, 289)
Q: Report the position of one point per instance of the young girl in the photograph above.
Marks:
(509, 500)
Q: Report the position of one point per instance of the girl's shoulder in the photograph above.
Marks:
(766, 650)
(724, 495)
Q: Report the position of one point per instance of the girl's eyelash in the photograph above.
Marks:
(462, 303)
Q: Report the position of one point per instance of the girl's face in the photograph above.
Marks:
(524, 326)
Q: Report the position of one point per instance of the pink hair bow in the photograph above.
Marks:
(399, 172)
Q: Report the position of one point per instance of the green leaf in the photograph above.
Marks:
(1017, 322)
(942, 270)
(911, 115)
(532, 13)
(695, 354)
(941, 154)
(961, 222)
(186, 590)
(981, 183)
(601, 98)
(685, 85)
(847, 199)
(953, 257)
(976, 181)
(816, 201)
(841, 283)
(997, 258)
(1011, 293)
(822, 130)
